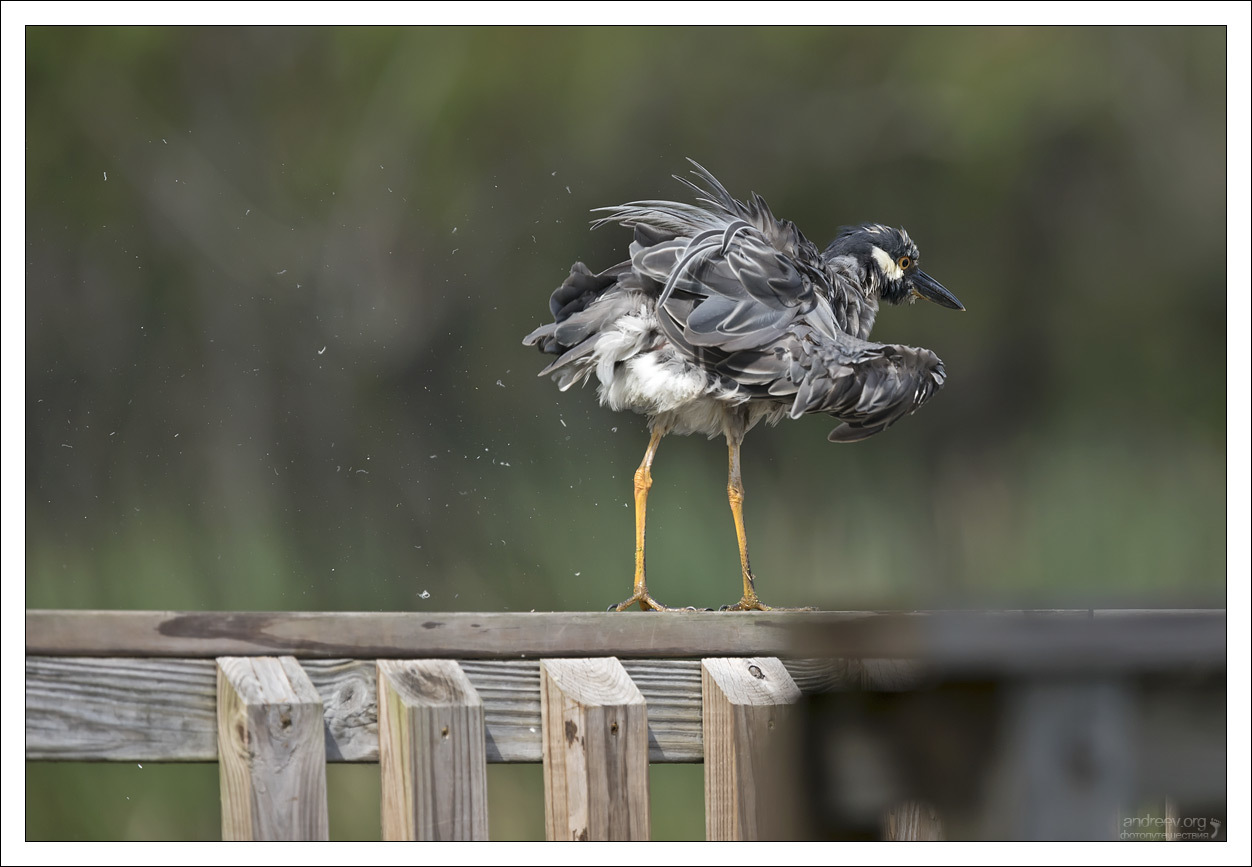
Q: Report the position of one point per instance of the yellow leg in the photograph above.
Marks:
(643, 482)
(734, 492)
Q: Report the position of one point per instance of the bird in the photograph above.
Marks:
(725, 316)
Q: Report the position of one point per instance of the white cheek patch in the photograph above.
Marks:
(888, 265)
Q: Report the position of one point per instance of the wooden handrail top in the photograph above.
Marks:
(1003, 641)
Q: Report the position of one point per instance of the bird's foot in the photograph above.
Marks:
(747, 604)
(647, 603)
(750, 602)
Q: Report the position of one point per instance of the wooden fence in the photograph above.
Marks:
(818, 724)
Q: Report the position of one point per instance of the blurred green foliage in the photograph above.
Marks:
(277, 281)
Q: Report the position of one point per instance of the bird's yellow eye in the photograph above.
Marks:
(904, 262)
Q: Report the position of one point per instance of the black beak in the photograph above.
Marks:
(932, 290)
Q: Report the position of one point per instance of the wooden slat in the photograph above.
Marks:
(671, 688)
(748, 743)
(153, 709)
(913, 821)
(595, 757)
(510, 693)
(90, 709)
(272, 751)
(431, 752)
(349, 696)
(134, 710)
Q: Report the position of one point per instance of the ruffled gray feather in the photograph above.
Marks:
(748, 299)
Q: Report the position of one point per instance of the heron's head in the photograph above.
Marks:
(889, 259)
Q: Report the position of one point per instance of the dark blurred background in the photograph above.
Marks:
(277, 281)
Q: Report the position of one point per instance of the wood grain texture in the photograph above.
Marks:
(510, 693)
(749, 747)
(272, 765)
(595, 757)
(671, 690)
(133, 710)
(988, 641)
(913, 821)
(347, 688)
(431, 752)
(397, 635)
(154, 709)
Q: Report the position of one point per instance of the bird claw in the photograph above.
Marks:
(749, 602)
(647, 603)
(752, 603)
(742, 605)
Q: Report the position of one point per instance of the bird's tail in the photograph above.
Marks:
(578, 326)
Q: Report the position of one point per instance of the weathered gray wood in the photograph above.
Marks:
(272, 765)
(431, 752)
(1003, 641)
(913, 821)
(395, 635)
(347, 688)
(749, 744)
(671, 688)
(133, 710)
(510, 693)
(154, 709)
(595, 756)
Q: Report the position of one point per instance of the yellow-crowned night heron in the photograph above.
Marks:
(725, 316)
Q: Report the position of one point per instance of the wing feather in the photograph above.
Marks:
(747, 297)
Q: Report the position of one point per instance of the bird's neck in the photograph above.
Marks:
(855, 295)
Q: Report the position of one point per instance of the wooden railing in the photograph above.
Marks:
(815, 724)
